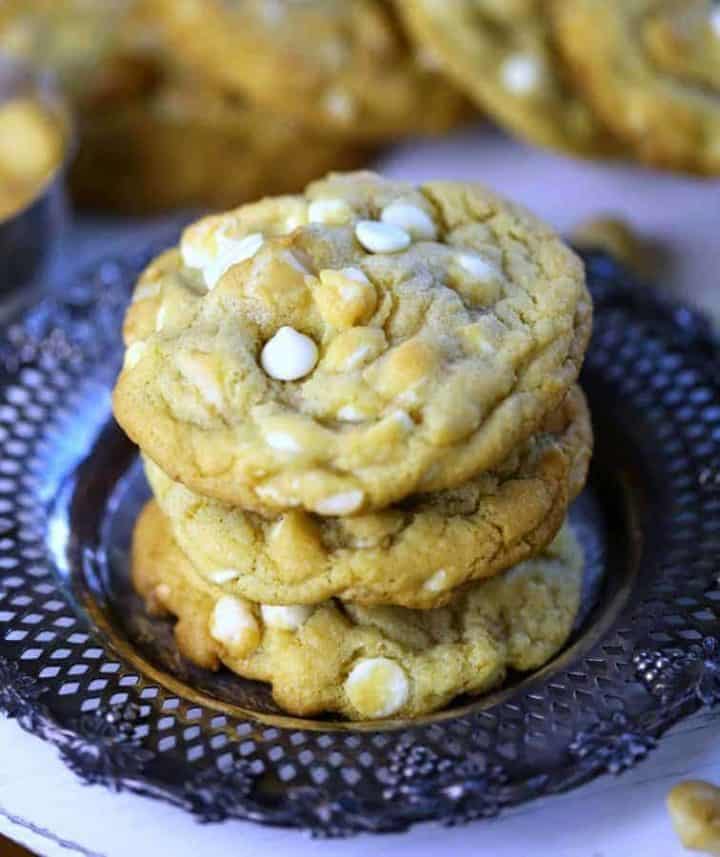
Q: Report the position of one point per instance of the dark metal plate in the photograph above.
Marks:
(82, 666)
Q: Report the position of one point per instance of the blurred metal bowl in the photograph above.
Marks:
(29, 235)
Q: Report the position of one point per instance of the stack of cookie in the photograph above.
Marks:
(359, 417)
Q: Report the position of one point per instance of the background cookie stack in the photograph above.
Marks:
(601, 78)
(216, 102)
(358, 410)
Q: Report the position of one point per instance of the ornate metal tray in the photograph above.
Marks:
(81, 666)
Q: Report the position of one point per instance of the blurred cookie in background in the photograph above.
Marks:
(501, 52)
(652, 71)
(340, 68)
(180, 144)
(151, 137)
(609, 233)
(69, 39)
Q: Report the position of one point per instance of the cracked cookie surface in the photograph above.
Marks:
(343, 68)
(652, 71)
(415, 554)
(365, 663)
(502, 54)
(343, 349)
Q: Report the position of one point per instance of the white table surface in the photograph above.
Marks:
(43, 806)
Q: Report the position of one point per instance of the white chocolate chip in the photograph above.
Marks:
(483, 346)
(340, 104)
(412, 219)
(286, 618)
(340, 504)
(381, 237)
(144, 291)
(521, 73)
(353, 348)
(354, 274)
(409, 397)
(357, 357)
(223, 575)
(350, 293)
(333, 212)
(478, 267)
(229, 251)
(289, 355)
(134, 355)
(232, 252)
(404, 419)
(272, 494)
(293, 221)
(233, 624)
(345, 297)
(282, 441)
(195, 371)
(377, 687)
(437, 582)
(351, 414)
(161, 318)
(193, 253)
(161, 593)
(294, 262)
(365, 543)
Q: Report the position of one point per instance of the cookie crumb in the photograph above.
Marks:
(694, 808)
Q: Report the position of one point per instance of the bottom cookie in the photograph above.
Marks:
(365, 662)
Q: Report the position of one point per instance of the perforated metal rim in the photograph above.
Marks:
(652, 372)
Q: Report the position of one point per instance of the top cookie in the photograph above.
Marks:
(502, 53)
(340, 350)
(340, 67)
(652, 71)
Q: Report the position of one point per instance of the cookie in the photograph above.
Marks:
(652, 71)
(413, 555)
(694, 807)
(502, 53)
(149, 143)
(33, 140)
(365, 663)
(360, 343)
(618, 238)
(344, 68)
(69, 38)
